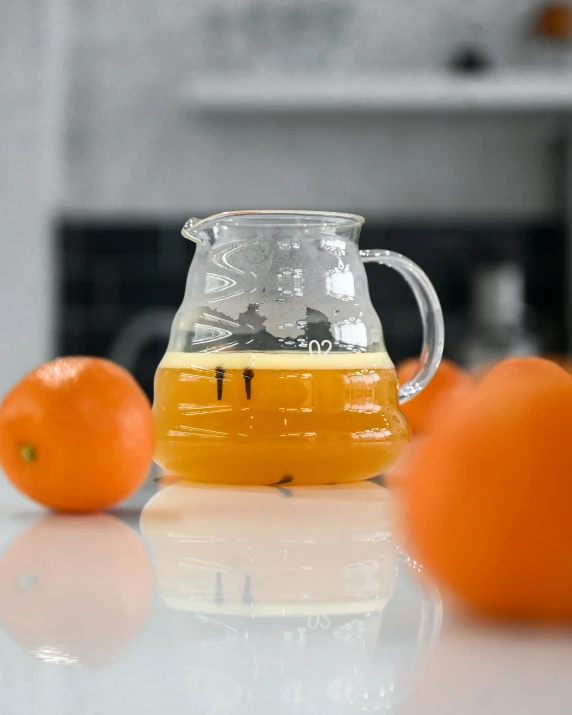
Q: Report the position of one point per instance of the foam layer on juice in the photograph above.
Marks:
(278, 361)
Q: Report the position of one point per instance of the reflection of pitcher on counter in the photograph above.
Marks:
(280, 595)
(276, 370)
(274, 591)
(274, 551)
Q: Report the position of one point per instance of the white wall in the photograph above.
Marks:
(133, 146)
(27, 178)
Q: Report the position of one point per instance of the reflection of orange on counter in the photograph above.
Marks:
(273, 551)
(75, 590)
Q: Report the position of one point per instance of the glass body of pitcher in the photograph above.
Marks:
(276, 370)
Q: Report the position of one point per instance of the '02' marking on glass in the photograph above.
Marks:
(314, 347)
(318, 621)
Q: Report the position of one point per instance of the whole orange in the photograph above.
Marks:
(76, 434)
(489, 493)
(76, 589)
(423, 411)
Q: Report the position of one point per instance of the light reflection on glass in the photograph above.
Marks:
(334, 245)
(351, 332)
(341, 284)
(218, 319)
(192, 377)
(190, 410)
(208, 333)
(215, 283)
(311, 436)
(221, 255)
(225, 297)
(184, 431)
(372, 435)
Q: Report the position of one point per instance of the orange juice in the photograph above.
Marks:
(273, 418)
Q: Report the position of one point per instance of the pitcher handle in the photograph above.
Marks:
(431, 317)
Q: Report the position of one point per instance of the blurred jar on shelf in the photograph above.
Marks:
(500, 322)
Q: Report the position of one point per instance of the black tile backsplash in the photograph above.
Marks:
(121, 283)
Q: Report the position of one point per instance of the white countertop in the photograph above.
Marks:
(257, 601)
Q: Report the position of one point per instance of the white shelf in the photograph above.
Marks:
(429, 92)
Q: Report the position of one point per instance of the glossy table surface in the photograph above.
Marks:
(268, 600)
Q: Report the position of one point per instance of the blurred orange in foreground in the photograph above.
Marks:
(423, 411)
(76, 434)
(489, 493)
(75, 590)
(523, 374)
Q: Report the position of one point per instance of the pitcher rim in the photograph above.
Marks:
(193, 225)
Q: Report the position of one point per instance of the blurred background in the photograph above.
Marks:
(445, 123)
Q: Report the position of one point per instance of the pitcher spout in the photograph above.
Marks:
(190, 230)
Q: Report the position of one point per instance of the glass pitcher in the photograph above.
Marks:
(276, 370)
